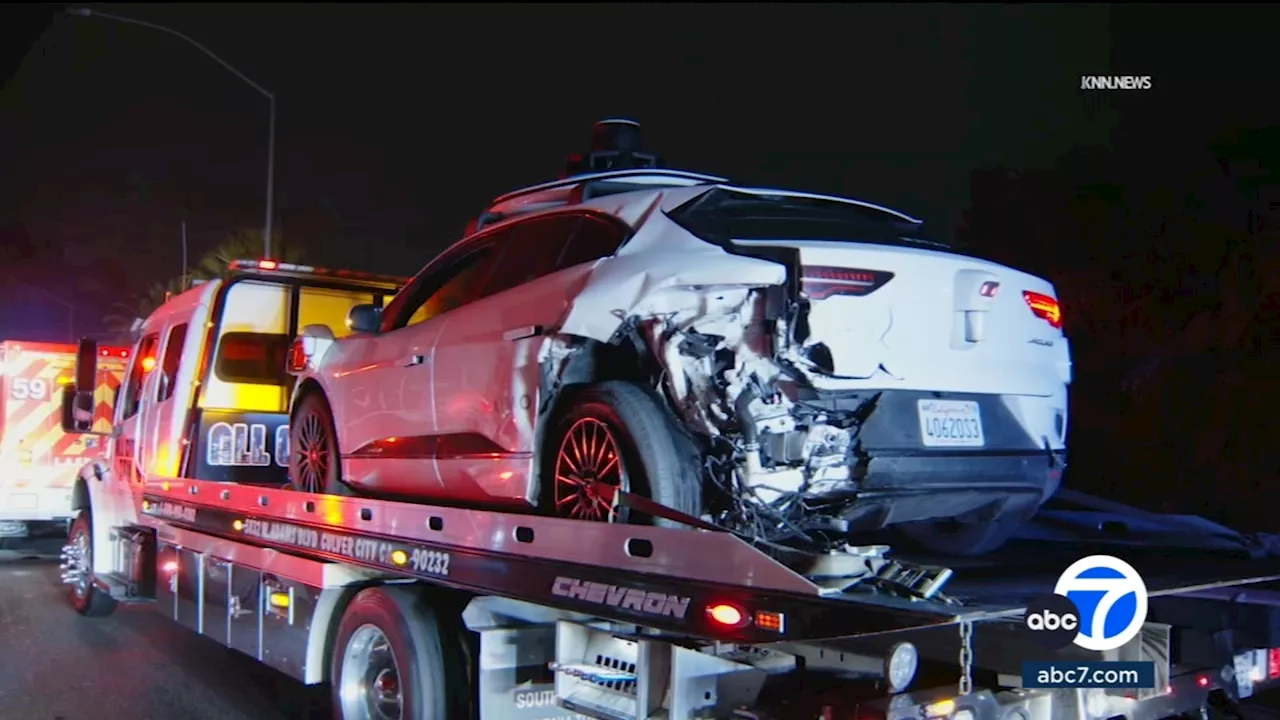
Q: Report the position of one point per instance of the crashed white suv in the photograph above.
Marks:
(790, 366)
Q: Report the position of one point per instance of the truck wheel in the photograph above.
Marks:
(617, 433)
(314, 463)
(957, 539)
(390, 660)
(85, 597)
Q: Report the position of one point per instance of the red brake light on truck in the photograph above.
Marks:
(726, 615)
(297, 359)
(1044, 307)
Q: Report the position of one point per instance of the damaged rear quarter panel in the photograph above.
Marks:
(662, 270)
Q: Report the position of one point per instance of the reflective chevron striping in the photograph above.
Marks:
(32, 431)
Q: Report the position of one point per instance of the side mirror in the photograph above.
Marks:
(365, 318)
(77, 410)
(87, 365)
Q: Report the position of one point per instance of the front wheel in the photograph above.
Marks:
(77, 570)
(314, 463)
(617, 434)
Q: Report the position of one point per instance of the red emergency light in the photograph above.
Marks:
(113, 352)
(293, 269)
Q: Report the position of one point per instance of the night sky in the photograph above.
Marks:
(397, 123)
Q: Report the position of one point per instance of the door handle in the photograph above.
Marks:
(415, 360)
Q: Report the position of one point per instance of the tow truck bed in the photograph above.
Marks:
(593, 597)
(541, 559)
(659, 583)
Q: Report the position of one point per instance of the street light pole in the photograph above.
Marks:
(271, 99)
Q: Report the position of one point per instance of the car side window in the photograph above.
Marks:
(452, 286)
(532, 250)
(593, 239)
(144, 361)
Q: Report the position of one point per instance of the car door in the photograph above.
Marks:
(487, 370)
(162, 455)
(387, 425)
(131, 457)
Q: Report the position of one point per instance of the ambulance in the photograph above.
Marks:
(38, 461)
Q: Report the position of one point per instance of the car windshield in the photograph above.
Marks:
(723, 215)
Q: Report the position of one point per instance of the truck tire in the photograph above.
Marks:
(956, 539)
(85, 597)
(314, 463)
(633, 444)
(392, 654)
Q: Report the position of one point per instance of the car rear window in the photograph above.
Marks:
(723, 215)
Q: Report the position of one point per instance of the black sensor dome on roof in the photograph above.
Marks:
(616, 144)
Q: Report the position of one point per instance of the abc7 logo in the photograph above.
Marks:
(1115, 604)
(1054, 621)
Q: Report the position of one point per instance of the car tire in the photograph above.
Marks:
(315, 464)
(656, 458)
(86, 598)
(427, 671)
(957, 539)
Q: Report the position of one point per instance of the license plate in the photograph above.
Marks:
(23, 501)
(950, 423)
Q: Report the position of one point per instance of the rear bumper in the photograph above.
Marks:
(906, 487)
(899, 479)
(34, 504)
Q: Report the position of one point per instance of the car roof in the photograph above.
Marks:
(627, 194)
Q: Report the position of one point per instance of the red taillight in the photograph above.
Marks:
(819, 282)
(1273, 663)
(1044, 307)
(727, 616)
(267, 264)
(297, 360)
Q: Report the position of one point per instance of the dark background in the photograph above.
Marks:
(1152, 211)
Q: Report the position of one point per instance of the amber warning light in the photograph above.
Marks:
(732, 617)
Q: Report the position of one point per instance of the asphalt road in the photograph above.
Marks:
(56, 665)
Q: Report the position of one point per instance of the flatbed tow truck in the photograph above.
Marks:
(427, 612)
